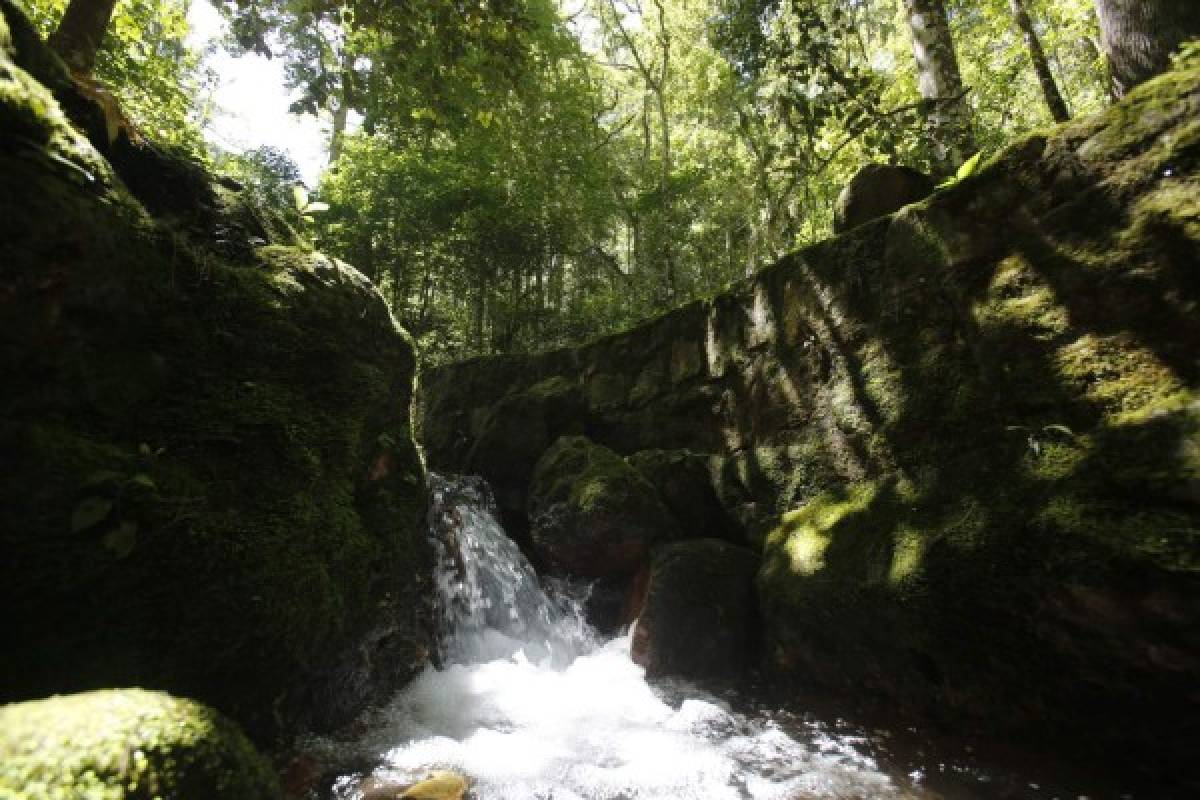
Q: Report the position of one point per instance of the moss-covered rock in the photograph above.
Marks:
(877, 190)
(592, 514)
(127, 744)
(965, 436)
(210, 481)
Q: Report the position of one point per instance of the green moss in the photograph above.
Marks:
(804, 535)
(126, 744)
(32, 123)
(587, 477)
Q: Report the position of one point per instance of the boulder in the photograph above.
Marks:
(438, 785)
(699, 618)
(191, 430)
(127, 744)
(592, 515)
(877, 190)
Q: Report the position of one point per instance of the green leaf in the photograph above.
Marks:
(316, 208)
(969, 167)
(121, 540)
(90, 513)
(300, 197)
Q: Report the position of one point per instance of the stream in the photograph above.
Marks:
(532, 703)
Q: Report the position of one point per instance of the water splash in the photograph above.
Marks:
(491, 602)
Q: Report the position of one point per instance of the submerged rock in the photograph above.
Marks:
(592, 514)
(699, 619)
(440, 785)
(127, 744)
(210, 481)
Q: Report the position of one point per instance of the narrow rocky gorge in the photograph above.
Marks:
(945, 463)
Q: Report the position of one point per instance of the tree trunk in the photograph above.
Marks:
(80, 32)
(341, 112)
(1138, 36)
(1053, 97)
(948, 119)
(340, 116)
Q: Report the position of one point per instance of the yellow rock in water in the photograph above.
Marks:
(438, 786)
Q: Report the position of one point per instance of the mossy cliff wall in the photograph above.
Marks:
(209, 480)
(966, 438)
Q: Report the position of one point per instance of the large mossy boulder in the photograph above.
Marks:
(700, 617)
(210, 483)
(127, 744)
(593, 515)
(877, 190)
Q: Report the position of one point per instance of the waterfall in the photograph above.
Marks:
(491, 602)
(529, 702)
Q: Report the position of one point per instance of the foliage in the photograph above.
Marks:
(159, 81)
(526, 173)
(267, 175)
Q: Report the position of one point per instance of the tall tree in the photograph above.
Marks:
(948, 116)
(650, 58)
(80, 32)
(1051, 94)
(1139, 36)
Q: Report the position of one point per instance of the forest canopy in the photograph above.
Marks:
(519, 174)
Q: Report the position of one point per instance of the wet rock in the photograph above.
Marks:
(877, 190)
(439, 785)
(699, 618)
(592, 515)
(127, 744)
(616, 601)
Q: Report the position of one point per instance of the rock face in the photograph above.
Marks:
(699, 619)
(210, 480)
(124, 745)
(592, 515)
(877, 190)
(512, 437)
(684, 482)
(964, 438)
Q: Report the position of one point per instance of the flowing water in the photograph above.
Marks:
(531, 703)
